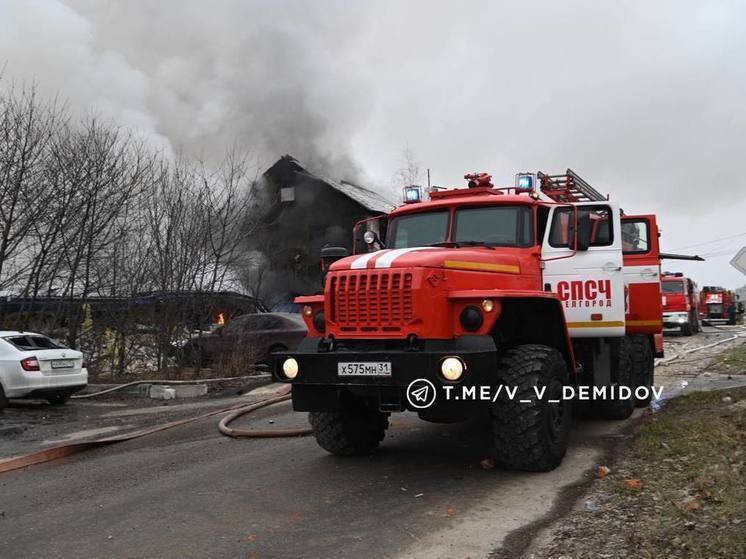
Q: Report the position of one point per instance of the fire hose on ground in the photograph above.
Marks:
(234, 412)
(177, 382)
(254, 433)
(223, 425)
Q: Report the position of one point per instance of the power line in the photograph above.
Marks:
(713, 241)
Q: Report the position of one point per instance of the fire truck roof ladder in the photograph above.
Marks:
(569, 188)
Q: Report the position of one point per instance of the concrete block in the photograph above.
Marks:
(165, 392)
(190, 390)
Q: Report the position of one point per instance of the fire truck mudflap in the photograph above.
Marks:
(327, 370)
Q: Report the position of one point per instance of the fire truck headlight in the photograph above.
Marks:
(452, 368)
(319, 321)
(307, 310)
(290, 368)
(488, 305)
(471, 318)
(370, 237)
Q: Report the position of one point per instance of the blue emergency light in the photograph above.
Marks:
(412, 194)
(525, 182)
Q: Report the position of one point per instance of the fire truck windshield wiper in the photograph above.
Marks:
(459, 244)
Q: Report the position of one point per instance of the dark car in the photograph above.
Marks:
(250, 338)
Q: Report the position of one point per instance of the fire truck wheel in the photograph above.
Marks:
(643, 364)
(621, 359)
(350, 432)
(531, 437)
(686, 329)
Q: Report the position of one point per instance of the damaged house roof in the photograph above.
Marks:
(369, 199)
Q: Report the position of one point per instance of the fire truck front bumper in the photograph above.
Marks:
(323, 374)
(675, 319)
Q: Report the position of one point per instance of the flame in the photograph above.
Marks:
(221, 319)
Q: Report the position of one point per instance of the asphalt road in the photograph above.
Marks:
(190, 492)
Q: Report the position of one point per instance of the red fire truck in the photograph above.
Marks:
(718, 305)
(544, 289)
(680, 303)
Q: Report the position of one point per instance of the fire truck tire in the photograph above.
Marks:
(686, 329)
(350, 432)
(620, 408)
(531, 437)
(643, 364)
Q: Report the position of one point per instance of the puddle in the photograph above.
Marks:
(699, 384)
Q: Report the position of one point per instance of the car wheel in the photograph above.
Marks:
(3, 399)
(58, 398)
(270, 351)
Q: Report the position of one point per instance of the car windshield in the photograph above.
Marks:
(32, 343)
(510, 226)
(672, 287)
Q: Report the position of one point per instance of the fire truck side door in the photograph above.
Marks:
(642, 273)
(590, 283)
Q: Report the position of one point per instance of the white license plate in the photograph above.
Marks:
(66, 364)
(364, 369)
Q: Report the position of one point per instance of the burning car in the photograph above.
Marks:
(255, 336)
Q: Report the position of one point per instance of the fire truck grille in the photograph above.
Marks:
(374, 301)
(715, 309)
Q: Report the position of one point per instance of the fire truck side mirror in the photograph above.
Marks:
(329, 255)
(584, 230)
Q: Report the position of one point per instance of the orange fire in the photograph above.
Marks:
(221, 319)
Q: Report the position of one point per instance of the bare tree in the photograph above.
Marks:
(26, 128)
(88, 213)
(409, 172)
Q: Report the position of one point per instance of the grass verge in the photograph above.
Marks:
(734, 360)
(678, 491)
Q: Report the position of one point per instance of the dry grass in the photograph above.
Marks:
(691, 459)
(678, 491)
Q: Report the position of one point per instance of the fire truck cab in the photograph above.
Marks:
(537, 289)
(680, 299)
(719, 306)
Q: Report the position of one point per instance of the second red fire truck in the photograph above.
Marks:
(542, 289)
(719, 306)
(680, 303)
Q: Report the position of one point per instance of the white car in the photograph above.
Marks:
(34, 366)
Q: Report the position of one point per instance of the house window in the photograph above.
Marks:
(287, 194)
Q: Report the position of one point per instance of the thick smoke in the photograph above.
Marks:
(644, 99)
(198, 77)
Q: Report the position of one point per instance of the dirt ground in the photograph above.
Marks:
(676, 488)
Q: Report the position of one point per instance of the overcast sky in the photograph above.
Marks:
(646, 100)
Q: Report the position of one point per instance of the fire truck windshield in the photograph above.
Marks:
(508, 226)
(672, 287)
